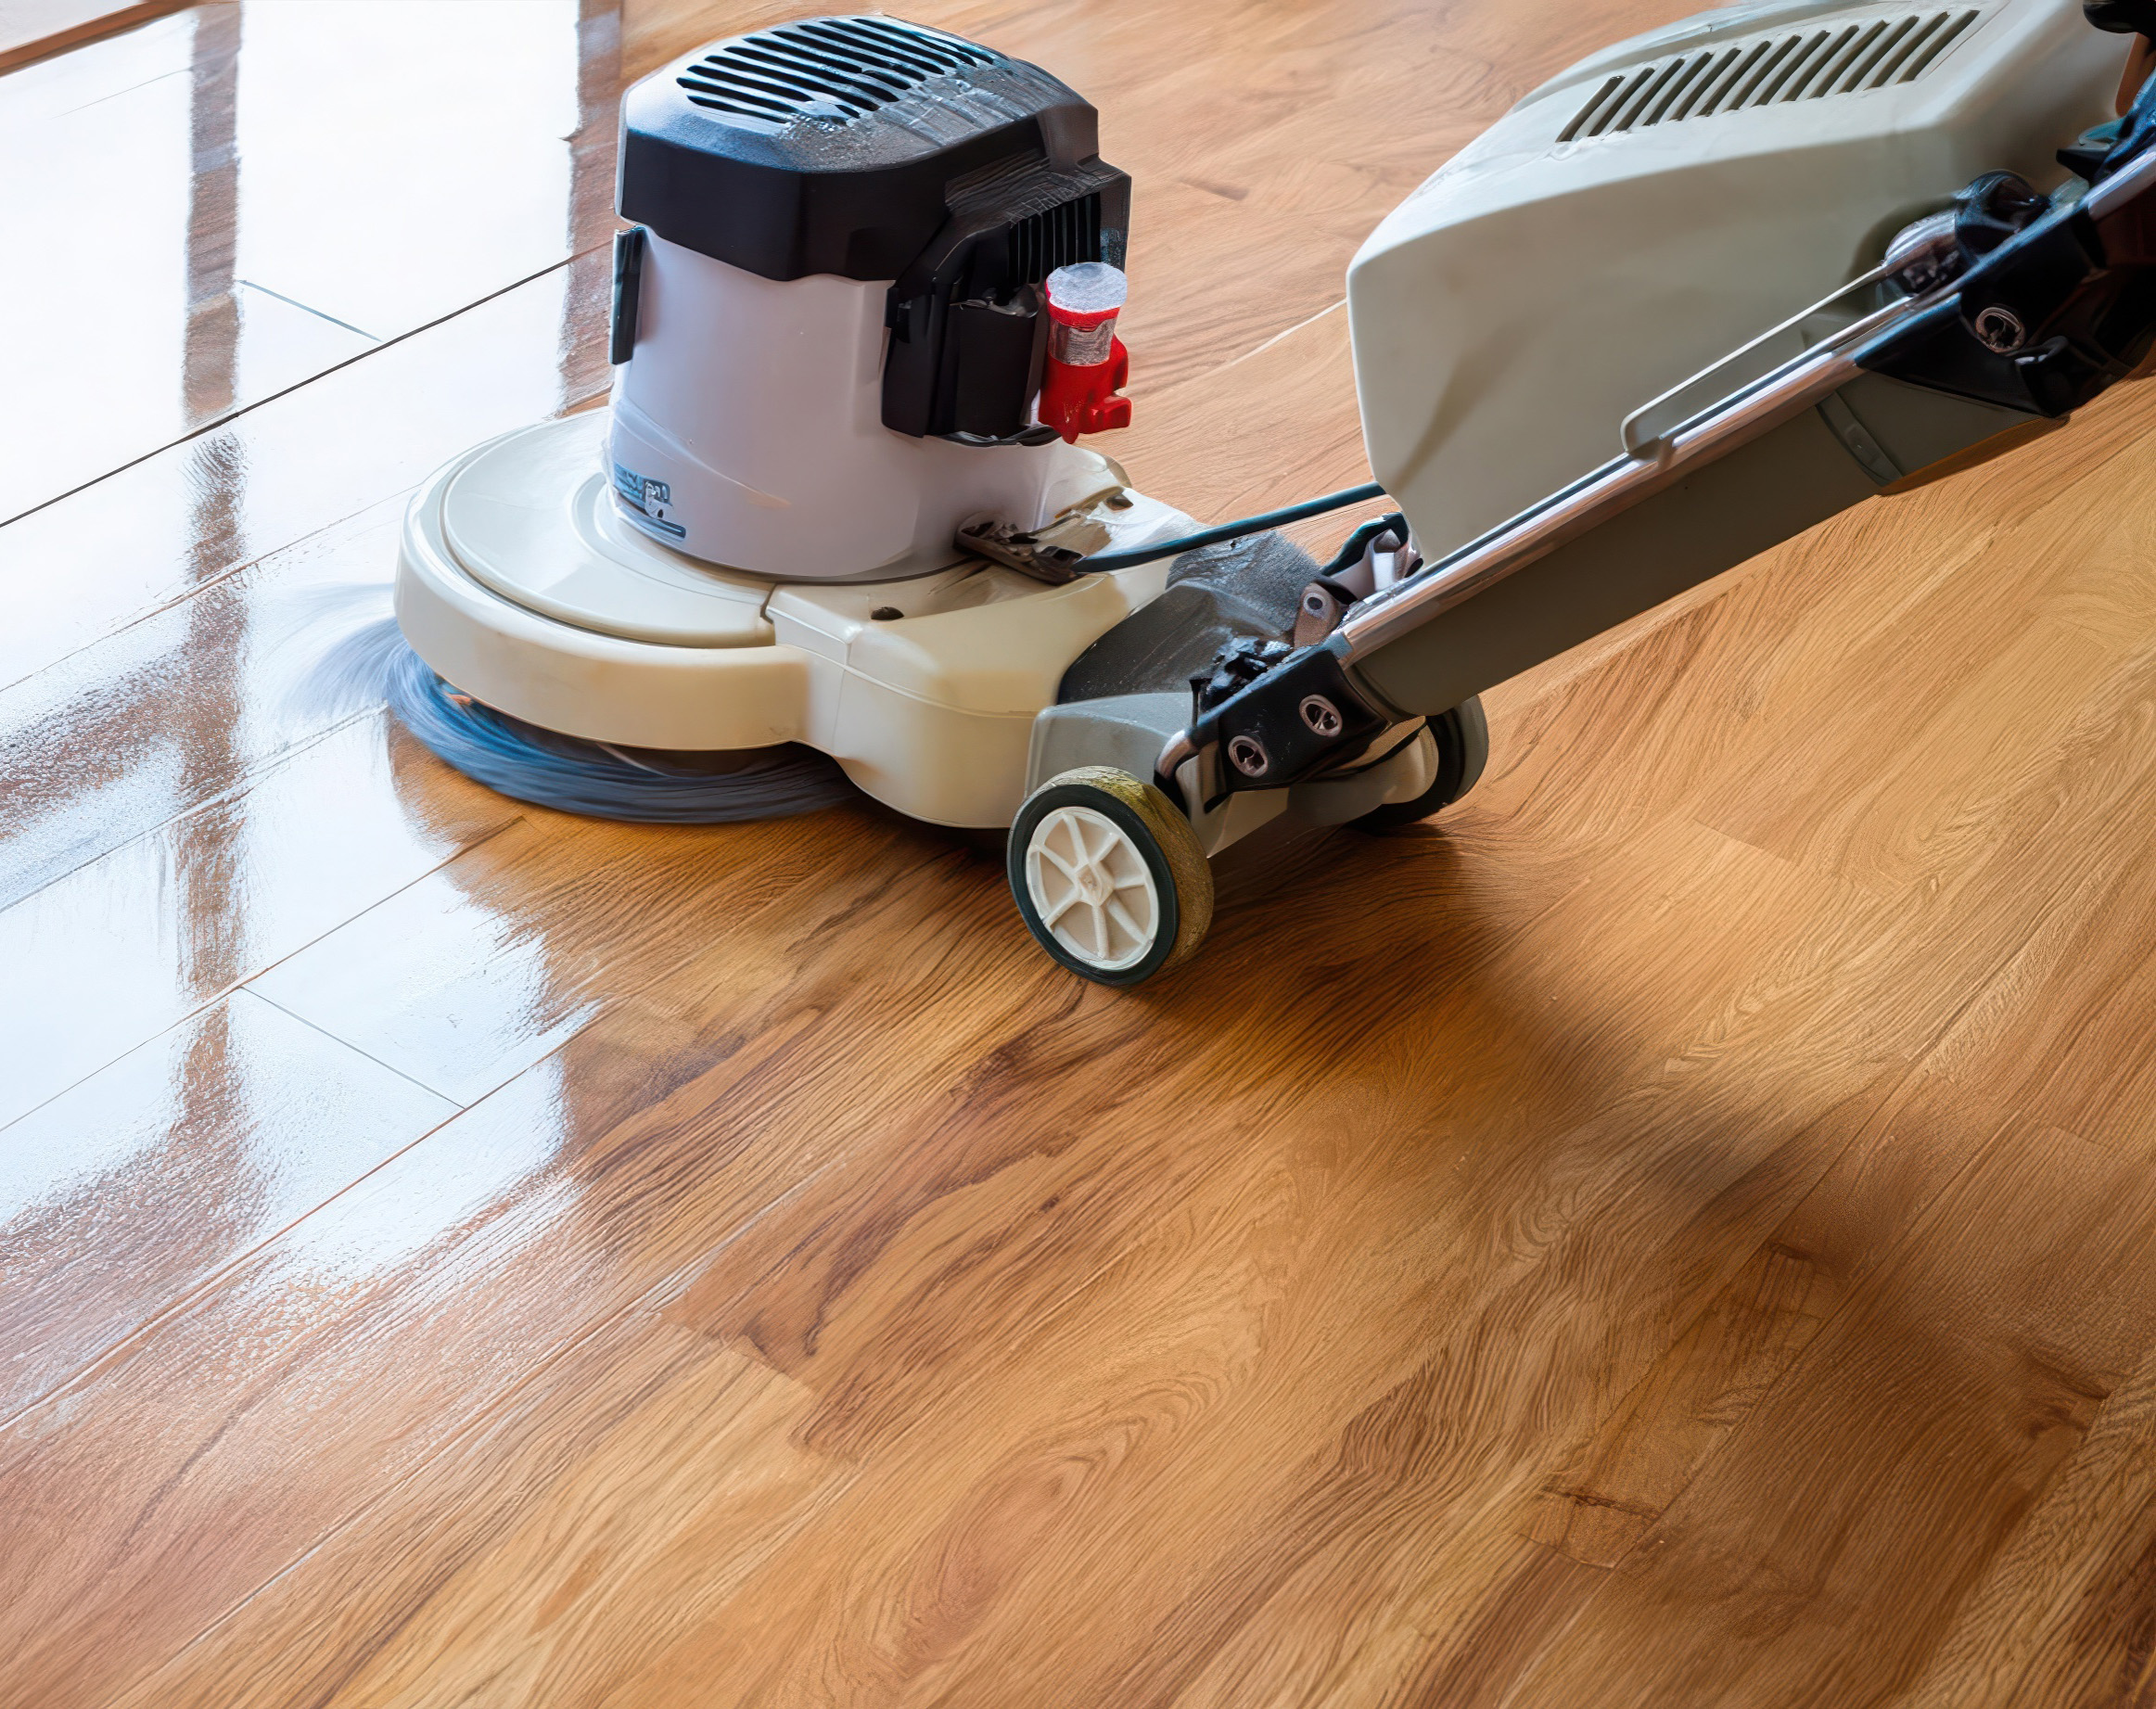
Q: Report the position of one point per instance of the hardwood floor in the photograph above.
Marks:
(32, 28)
(1673, 1230)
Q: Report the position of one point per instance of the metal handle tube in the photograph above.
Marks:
(1626, 432)
(1749, 411)
(2123, 186)
(1745, 415)
(1753, 410)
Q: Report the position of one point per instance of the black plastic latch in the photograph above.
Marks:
(628, 293)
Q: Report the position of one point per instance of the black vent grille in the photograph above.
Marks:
(1041, 242)
(832, 69)
(1804, 67)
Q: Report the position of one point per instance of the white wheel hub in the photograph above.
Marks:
(1090, 887)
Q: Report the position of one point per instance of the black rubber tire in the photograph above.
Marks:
(1181, 878)
(1463, 747)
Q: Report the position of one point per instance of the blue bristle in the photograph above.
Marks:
(530, 764)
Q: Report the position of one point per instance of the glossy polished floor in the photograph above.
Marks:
(1674, 1232)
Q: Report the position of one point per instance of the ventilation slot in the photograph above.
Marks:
(1042, 242)
(1807, 67)
(835, 69)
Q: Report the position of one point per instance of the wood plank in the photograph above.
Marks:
(2062, 1614)
(965, 1309)
(225, 241)
(448, 982)
(128, 945)
(32, 28)
(352, 1293)
(173, 525)
(1952, 1392)
(1611, 1492)
(95, 757)
(114, 1203)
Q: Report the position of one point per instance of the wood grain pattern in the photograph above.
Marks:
(1673, 1230)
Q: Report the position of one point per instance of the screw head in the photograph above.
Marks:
(2000, 330)
(1247, 755)
(1321, 715)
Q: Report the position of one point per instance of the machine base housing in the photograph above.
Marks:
(515, 580)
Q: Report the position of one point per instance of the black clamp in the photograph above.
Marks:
(1275, 715)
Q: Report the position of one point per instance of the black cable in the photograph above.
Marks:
(1231, 531)
(1358, 543)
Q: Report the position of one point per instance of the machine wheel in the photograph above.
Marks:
(1463, 736)
(1109, 876)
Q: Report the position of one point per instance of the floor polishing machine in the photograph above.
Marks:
(1685, 300)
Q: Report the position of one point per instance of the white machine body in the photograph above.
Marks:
(748, 432)
(828, 335)
(518, 581)
(1648, 211)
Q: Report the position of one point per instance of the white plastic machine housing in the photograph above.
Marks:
(757, 542)
(748, 431)
(520, 582)
(1654, 207)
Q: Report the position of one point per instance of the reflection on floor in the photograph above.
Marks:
(1672, 1232)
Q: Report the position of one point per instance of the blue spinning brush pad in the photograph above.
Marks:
(601, 781)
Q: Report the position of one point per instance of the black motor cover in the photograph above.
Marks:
(877, 149)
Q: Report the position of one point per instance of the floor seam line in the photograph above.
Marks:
(239, 786)
(230, 416)
(224, 993)
(457, 1104)
(306, 308)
